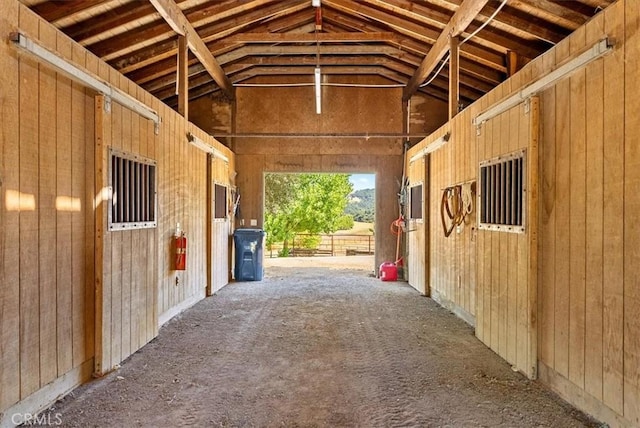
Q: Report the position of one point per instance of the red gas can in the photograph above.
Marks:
(388, 271)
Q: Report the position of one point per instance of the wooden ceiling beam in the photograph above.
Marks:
(472, 68)
(158, 31)
(247, 52)
(406, 64)
(284, 15)
(369, 66)
(181, 25)
(113, 18)
(373, 70)
(53, 11)
(251, 21)
(550, 11)
(508, 17)
(425, 33)
(548, 31)
(470, 50)
(403, 65)
(490, 38)
(344, 37)
(169, 66)
(456, 26)
(165, 66)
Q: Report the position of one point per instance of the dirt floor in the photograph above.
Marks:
(312, 346)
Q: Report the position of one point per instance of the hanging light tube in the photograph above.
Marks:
(86, 78)
(432, 147)
(315, 3)
(316, 75)
(206, 147)
(599, 49)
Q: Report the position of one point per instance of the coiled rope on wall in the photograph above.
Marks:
(456, 206)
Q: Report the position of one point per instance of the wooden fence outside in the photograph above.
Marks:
(329, 245)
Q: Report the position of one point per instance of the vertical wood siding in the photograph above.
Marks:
(584, 272)
(46, 217)
(70, 290)
(417, 237)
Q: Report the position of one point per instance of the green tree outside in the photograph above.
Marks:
(304, 203)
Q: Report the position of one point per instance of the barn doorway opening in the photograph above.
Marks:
(319, 220)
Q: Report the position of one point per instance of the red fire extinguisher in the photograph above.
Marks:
(181, 251)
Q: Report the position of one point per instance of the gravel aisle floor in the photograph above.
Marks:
(316, 347)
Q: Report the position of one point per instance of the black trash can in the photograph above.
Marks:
(249, 254)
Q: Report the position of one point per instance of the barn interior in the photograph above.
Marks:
(124, 123)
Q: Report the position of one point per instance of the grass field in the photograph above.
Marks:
(358, 229)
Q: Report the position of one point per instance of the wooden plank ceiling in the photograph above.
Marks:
(253, 38)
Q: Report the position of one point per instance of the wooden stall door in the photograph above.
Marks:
(126, 273)
(218, 225)
(418, 230)
(507, 262)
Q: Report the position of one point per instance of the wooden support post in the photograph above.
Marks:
(465, 14)
(209, 226)
(512, 63)
(103, 292)
(533, 188)
(182, 77)
(454, 76)
(176, 19)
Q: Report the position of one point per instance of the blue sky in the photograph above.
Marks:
(363, 181)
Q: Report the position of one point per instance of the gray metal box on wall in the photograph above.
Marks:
(249, 254)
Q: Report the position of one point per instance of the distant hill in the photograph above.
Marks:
(362, 205)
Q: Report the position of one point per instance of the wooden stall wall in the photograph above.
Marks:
(506, 287)
(452, 265)
(126, 291)
(76, 298)
(344, 110)
(46, 221)
(585, 266)
(418, 230)
(447, 268)
(589, 235)
(221, 230)
(482, 276)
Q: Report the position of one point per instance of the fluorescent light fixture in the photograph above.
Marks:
(594, 52)
(206, 147)
(86, 78)
(315, 3)
(316, 75)
(435, 145)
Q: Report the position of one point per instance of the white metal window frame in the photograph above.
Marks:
(518, 154)
(114, 226)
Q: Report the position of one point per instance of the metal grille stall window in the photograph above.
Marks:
(133, 191)
(416, 202)
(502, 196)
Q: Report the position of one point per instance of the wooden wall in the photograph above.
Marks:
(444, 268)
(505, 280)
(127, 274)
(76, 298)
(589, 258)
(221, 230)
(46, 217)
(418, 235)
(345, 110)
(585, 297)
